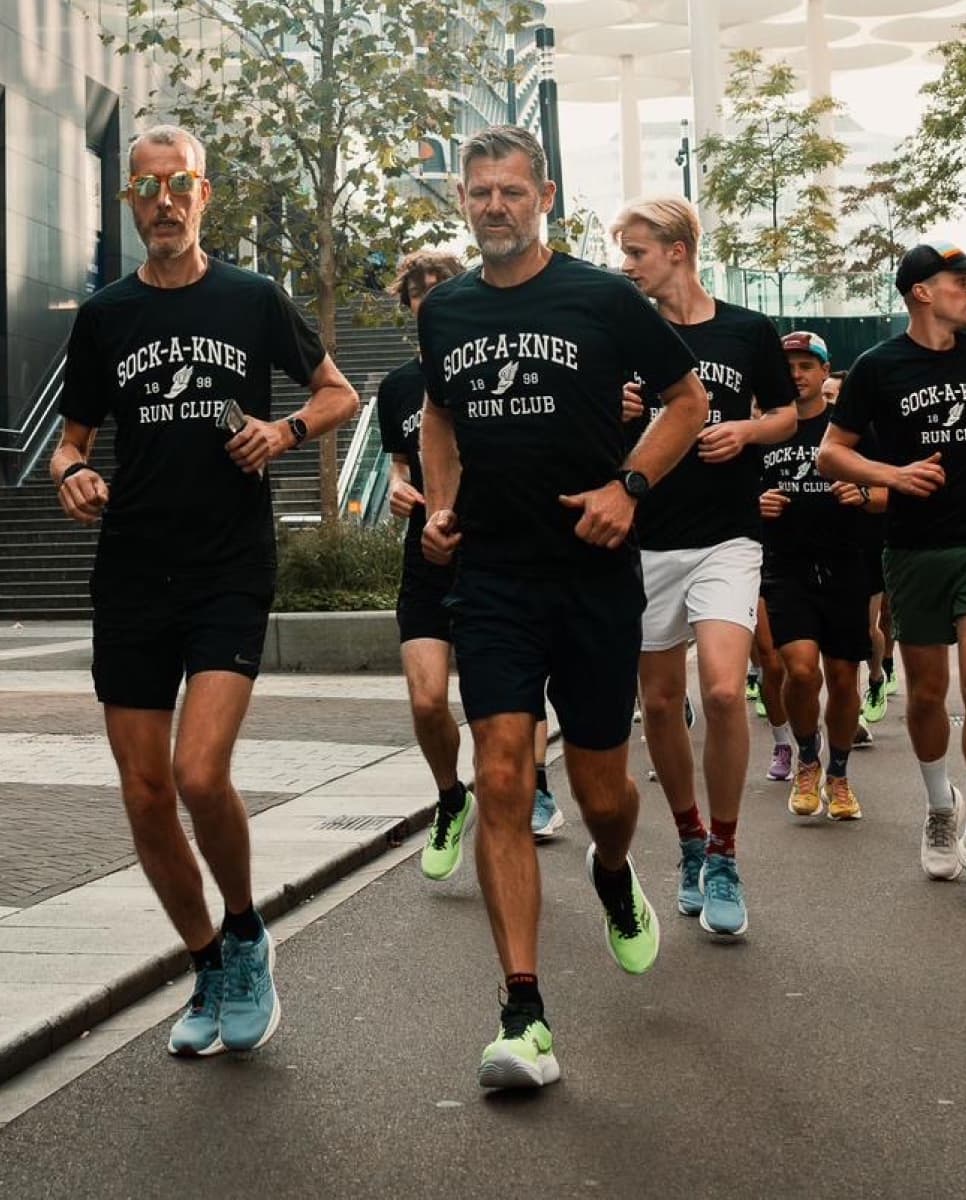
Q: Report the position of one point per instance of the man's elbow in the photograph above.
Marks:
(350, 406)
(826, 462)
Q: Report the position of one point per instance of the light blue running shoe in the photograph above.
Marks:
(196, 1034)
(250, 1010)
(724, 909)
(547, 818)
(690, 898)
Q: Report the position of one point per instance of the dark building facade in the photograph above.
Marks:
(65, 120)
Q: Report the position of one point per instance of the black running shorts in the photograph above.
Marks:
(825, 603)
(420, 612)
(578, 639)
(151, 629)
(872, 556)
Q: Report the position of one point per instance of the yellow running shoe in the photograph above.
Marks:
(806, 797)
(841, 800)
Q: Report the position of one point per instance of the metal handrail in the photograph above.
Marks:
(31, 420)
(350, 463)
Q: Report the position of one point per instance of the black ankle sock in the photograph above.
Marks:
(521, 988)
(888, 666)
(838, 762)
(542, 778)
(246, 926)
(453, 799)
(611, 885)
(208, 956)
(808, 748)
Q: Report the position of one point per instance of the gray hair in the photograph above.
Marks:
(500, 141)
(167, 135)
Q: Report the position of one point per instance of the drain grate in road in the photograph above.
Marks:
(357, 822)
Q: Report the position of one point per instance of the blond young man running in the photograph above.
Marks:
(700, 549)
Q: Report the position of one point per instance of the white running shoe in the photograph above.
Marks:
(943, 851)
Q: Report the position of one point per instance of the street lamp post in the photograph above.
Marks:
(549, 127)
(683, 158)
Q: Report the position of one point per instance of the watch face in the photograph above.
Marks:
(635, 484)
(298, 427)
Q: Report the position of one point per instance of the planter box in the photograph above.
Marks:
(332, 643)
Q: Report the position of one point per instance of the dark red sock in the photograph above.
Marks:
(722, 839)
(689, 824)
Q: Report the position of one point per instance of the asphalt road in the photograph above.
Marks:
(822, 1057)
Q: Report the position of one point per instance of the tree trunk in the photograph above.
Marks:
(325, 306)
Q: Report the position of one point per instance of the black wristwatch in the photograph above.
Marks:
(864, 493)
(73, 470)
(635, 484)
(299, 429)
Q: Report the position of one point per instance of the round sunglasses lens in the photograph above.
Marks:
(147, 186)
(181, 182)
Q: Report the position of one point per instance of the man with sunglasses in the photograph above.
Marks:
(184, 574)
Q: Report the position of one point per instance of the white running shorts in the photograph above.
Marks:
(703, 583)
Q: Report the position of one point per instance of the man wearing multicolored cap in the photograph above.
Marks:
(913, 388)
(814, 587)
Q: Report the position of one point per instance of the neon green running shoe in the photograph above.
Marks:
(752, 688)
(443, 851)
(891, 683)
(522, 1055)
(633, 930)
(760, 709)
(876, 701)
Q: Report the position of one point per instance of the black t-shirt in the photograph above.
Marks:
(740, 356)
(916, 400)
(533, 376)
(399, 405)
(814, 526)
(163, 362)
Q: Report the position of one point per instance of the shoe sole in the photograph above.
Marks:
(551, 829)
(216, 1047)
(467, 826)
(276, 1015)
(780, 778)
(692, 910)
(655, 923)
(505, 1070)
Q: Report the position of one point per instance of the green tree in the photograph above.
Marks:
(931, 163)
(876, 248)
(315, 115)
(763, 179)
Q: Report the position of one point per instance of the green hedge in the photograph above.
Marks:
(340, 567)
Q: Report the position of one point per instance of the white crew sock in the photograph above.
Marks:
(783, 735)
(939, 793)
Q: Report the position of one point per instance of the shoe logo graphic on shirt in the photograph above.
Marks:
(803, 470)
(506, 378)
(245, 662)
(181, 379)
(954, 414)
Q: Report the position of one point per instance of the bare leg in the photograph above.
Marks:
(506, 860)
(772, 669)
(803, 686)
(214, 707)
(608, 800)
(723, 649)
(426, 664)
(141, 743)
(663, 679)
(878, 641)
(927, 682)
(842, 706)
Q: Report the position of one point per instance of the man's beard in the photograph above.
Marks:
(497, 248)
(167, 247)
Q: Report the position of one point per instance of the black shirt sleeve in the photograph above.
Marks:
(854, 408)
(86, 396)
(296, 347)
(772, 382)
(649, 346)
(434, 382)
(387, 410)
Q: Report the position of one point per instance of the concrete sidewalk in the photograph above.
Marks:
(72, 958)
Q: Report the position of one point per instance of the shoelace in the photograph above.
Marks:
(806, 777)
(874, 693)
(444, 819)
(516, 1019)
(840, 790)
(205, 998)
(721, 885)
(690, 865)
(623, 917)
(241, 974)
(940, 829)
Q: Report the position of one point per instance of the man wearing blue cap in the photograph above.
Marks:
(913, 387)
(814, 587)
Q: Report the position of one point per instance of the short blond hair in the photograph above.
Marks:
(670, 218)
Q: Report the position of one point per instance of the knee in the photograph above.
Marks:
(199, 784)
(429, 708)
(660, 706)
(503, 799)
(805, 676)
(149, 802)
(601, 807)
(925, 696)
(722, 700)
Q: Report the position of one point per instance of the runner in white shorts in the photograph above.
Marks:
(700, 548)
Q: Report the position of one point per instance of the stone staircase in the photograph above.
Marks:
(45, 560)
